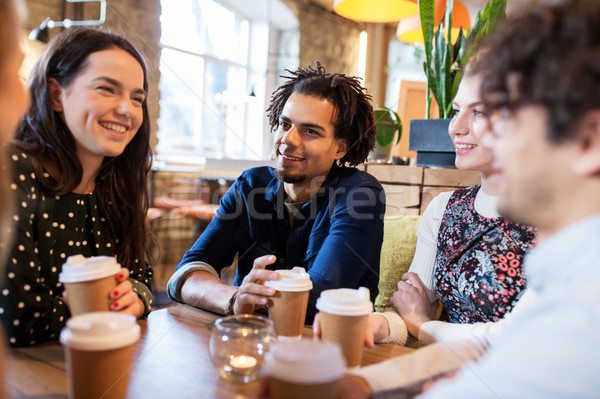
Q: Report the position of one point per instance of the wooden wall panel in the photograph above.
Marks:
(402, 199)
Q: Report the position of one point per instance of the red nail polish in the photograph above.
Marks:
(120, 276)
(114, 305)
(114, 294)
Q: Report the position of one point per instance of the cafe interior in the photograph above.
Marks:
(210, 82)
(212, 66)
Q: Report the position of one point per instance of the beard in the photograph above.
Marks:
(287, 177)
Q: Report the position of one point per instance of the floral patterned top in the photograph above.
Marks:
(478, 269)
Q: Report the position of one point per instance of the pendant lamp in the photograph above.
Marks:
(376, 10)
(409, 29)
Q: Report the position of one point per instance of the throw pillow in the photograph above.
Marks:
(397, 251)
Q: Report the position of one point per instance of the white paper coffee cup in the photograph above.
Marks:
(78, 268)
(287, 308)
(294, 280)
(99, 347)
(88, 282)
(304, 369)
(345, 301)
(344, 314)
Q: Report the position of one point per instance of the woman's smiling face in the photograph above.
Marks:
(468, 125)
(102, 106)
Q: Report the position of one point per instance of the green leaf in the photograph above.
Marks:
(427, 13)
(444, 60)
(387, 123)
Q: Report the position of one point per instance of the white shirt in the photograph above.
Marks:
(552, 350)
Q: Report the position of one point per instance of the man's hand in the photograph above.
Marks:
(253, 294)
(412, 304)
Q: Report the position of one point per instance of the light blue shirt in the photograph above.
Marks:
(553, 349)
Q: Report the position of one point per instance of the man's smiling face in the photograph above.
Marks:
(304, 141)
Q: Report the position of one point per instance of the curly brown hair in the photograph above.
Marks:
(354, 113)
(553, 51)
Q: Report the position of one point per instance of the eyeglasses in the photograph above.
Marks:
(500, 113)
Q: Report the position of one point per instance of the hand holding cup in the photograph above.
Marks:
(373, 325)
(344, 315)
(287, 307)
(123, 298)
(88, 282)
(253, 294)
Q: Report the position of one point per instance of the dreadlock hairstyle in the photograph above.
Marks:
(354, 114)
(121, 182)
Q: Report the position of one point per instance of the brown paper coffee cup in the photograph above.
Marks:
(287, 308)
(103, 374)
(344, 314)
(99, 347)
(90, 296)
(304, 369)
(348, 331)
(88, 282)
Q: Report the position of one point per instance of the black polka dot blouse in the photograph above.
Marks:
(47, 229)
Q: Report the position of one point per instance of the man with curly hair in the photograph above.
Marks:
(540, 89)
(310, 210)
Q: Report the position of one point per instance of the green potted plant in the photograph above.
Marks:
(444, 61)
(389, 130)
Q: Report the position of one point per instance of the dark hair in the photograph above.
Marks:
(552, 53)
(121, 182)
(354, 114)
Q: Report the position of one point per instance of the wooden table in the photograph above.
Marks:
(171, 361)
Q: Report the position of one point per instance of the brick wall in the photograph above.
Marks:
(327, 37)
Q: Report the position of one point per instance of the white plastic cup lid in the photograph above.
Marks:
(98, 331)
(305, 361)
(345, 301)
(294, 280)
(78, 268)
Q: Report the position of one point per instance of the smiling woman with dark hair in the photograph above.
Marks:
(80, 164)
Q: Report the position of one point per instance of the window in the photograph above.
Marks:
(405, 62)
(214, 79)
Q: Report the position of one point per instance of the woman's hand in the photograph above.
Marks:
(253, 294)
(122, 297)
(412, 304)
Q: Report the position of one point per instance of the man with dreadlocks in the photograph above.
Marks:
(310, 210)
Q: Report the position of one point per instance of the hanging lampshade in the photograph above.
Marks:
(409, 29)
(376, 10)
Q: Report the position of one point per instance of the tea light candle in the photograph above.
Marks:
(243, 362)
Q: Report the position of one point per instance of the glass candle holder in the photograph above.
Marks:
(238, 345)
